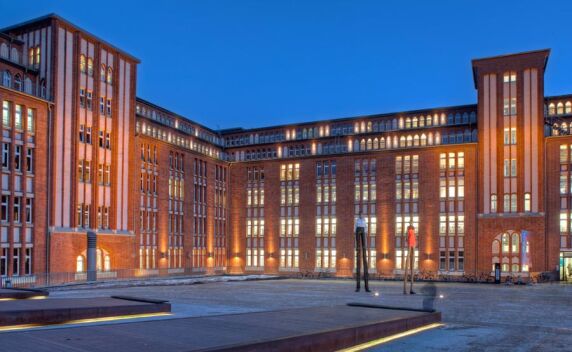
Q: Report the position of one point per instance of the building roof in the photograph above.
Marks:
(53, 16)
(348, 119)
(476, 63)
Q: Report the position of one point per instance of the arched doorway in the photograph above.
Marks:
(510, 252)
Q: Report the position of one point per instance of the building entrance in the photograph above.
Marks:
(566, 266)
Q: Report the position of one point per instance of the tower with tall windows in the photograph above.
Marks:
(511, 160)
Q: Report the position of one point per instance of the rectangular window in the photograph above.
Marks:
(89, 100)
(82, 97)
(18, 117)
(513, 167)
(100, 174)
(81, 133)
(101, 105)
(88, 135)
(31, 121)
(17, 206)
(28, 262)
(29, 210)
(107, 140)
(4, 261)
(5, 200)
(5, 156)
(30, 160)
(101, 143)
(18, 158)
(16, 262)
(108, 105)
(6, 114)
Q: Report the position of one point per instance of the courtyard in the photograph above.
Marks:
(475, 316)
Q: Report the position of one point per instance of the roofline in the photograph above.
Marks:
(176, 115)
(496, 57)
(560, 96)
(59, 18)
(11, 38)
(343, 119)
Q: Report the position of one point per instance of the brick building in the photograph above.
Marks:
(484, 183)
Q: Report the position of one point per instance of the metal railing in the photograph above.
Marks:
(69, 278)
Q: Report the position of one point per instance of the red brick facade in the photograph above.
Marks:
(166, 195)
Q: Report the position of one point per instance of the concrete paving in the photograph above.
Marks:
(477, 316)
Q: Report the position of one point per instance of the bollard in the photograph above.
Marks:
(91, 256)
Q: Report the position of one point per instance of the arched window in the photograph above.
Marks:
(409, 141)
(7, 79)
(421, 121)
(4, 50)
(465, 117)
(375, 143)
(402, 141)
(527, 206)
(496, 247)
(394, 124)
(437, 138)
(79, 266)
(43, 88)
(551, 109)
(106, 263)
(90, 66)
(382, 143)
(423, 139)
(443, 119)
(31, 56)
(555, 129)
(414, 122)
(430, 138)
(568, 107)
(408, 123)
(37, 62)
(15, 55)
(28, 85)
(416, 140)
(369, 126)
(82, 64)
(98, 260)
(493, 203)
(102, 76)
(109, 75)
(505, 241)
(560, 108)
(362, 145)
(17, 82)
(369, 144)
(515, 243)
(401, 124)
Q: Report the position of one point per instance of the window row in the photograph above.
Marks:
(16, 163)
(18, 117)
(22, 209)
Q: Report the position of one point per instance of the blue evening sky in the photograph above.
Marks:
(253, 63)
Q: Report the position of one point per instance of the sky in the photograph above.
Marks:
(255, 63)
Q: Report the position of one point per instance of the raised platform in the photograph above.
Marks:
(63, 310)
(302, 329)
(13, 293)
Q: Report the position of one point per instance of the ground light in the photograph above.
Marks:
(391, 338)
(83, 321)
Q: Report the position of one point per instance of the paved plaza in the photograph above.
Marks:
(476, 316)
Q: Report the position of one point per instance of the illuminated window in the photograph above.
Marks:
(82, 64)
(109, 77)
